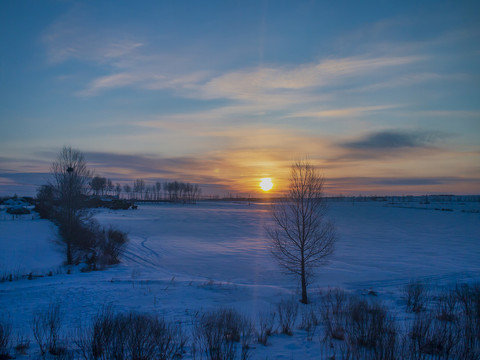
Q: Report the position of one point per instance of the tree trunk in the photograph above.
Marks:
(304, 286)
(69, 252)
(68, 238)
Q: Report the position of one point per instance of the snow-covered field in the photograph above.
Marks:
(26, 246)
(187, 258)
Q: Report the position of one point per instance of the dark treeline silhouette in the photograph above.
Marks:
(101, 186)
(174, 191)
(182, 192)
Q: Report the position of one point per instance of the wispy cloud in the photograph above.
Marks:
(447, 113)
(398, 81)
(74, 36)
(393, 139)
(109, 82)
(150, 79)
(288, 84)
(245, 84)
(344, 112)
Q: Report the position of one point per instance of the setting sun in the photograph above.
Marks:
(266, 184)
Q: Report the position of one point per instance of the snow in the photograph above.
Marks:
(187, 258)
(226, 242)
(27, 244)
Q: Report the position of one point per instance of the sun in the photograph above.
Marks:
(266, 184)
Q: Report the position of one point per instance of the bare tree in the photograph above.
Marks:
(98, 184)
(302, 238)
(158, 189)
(128, 191)
(118, 190)
(138, 188)
(110, 187)
(70, 181)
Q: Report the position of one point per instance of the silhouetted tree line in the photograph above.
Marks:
(102, 186)
(182, 192)
(174, 191)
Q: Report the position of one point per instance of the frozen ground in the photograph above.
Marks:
(26, 245)
(186, 258)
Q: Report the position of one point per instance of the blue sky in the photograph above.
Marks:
(382, 96)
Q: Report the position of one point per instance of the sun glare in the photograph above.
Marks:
(266, 184)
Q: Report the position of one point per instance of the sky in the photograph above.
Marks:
(382, 96)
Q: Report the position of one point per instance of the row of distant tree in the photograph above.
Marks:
(175, 191)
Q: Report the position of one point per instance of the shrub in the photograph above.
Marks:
(93, 244)
(368, 325)
(46, 327)
(79, 233)
(94, 202)
(97, 341)
(5, 334)
(217, 333)
(333, 312)
(120, 205)
(309, 321)
(115, 204)
(449, 330)
(365, 328)
(247, 331)
(110, 245)
(45, 202)
(10, 276)
(416, 296)
(266, 323)
(446, 307)
(130, 336)
(430, 336)
(287, 315)
(468, 297)
(22, 344)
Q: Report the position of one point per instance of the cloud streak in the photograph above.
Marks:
(344, 112)
(252, 85)
(401, 181)
(245, 84)
(401, 185)
(393, 140)
(390, 144)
